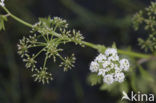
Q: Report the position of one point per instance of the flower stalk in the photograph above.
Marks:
(91, 45)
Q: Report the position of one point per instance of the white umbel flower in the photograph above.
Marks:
(102, 72)
(94, 67)
(124, 64)
(108, 79)
(100, 58)
(114, 57)
(109, 66)
(119, 77)
(117, 68)
(111, 52)
(105, 64)
(2, 3)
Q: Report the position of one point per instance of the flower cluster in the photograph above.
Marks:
(68, 62)
(42, 75)
(2, 3)
(110, 66)
(48, 35)
(58, 27)
(147, 18)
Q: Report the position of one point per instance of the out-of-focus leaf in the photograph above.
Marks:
(115, 88)
(109, 87)
(133, 80)
(145, 75)
(114, 45)
(94, 79)
(142, 85)
(104, 87)
(124, 86)
(2, 20)
(46, 20)
(151, 65)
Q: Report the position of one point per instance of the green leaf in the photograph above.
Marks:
(145, 75)
(133, 81)
(2, 20)
(143, 85)
(94, 79)
(124, 86)
(110, 88)
(114, 45)
(47, 21)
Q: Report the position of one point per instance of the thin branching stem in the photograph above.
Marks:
(38, 53)
(45, 61)
(91, 45)
(16, 18)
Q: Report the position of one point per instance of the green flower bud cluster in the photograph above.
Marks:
(147, 18)
(47, 35)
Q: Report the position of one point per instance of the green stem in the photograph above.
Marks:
(16, 18)
(134, 54)
(97, 47)
(36, 46)
(129, 53)
(38, 53)
(45, 61)
(60, 57)
(90, 45)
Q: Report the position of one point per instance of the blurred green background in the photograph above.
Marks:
(101, 22)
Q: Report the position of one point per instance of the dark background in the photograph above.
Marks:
(100, 21)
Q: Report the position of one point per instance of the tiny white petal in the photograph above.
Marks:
(2, 3)
(94, 67)
(119, 77)
(124, 64)
(102, 72)
(108, 79)
(117, 68)
(110, 51)
(113, 58)
(112, 65)
(100, 58)
(105, 64)
(108, 69)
